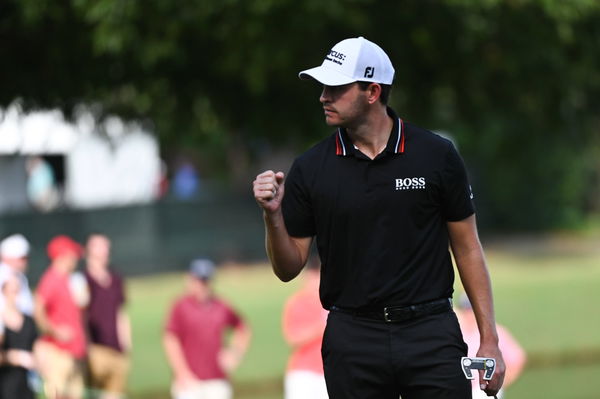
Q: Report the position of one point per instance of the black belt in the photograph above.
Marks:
(391, 314)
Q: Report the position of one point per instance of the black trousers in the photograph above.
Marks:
(13, 383)
(415, 359)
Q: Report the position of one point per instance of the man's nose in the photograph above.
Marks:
(325, 95)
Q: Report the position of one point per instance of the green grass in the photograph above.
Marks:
(549, 302)
(567, 382)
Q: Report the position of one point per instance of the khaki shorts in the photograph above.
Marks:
(62, 373)
(108, 369)
(206, 389)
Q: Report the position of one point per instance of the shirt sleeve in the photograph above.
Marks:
(296, 206)
(457, 197)
(233, 320)
(173, 324)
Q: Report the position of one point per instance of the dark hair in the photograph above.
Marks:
(385, 90)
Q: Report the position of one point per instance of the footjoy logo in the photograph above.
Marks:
(410, 183)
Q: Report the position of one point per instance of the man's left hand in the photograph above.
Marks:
(491, 387)
(229, 359)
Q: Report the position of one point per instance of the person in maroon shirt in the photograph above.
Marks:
(193, 339)
(108, 323)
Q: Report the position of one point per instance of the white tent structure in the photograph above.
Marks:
(119, 167)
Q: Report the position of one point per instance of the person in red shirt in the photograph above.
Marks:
(194, 339)
(303, 324)
(59, 317)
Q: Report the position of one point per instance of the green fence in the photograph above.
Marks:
(152, 238)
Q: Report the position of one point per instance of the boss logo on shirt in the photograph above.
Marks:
(410, 183)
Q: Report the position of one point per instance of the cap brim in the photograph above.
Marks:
(326, 76)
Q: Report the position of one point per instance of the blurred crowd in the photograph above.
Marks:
(70, 338)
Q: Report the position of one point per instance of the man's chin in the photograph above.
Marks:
(332, 122)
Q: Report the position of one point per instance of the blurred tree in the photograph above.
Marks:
(515, 82)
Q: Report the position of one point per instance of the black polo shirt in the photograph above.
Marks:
(380, 224)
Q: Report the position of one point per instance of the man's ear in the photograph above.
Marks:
(373, 93)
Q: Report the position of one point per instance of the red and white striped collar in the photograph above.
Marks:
(396, 142)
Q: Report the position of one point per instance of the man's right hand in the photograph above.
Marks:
(21, 358)
(268, 190)
(287, 254)
(62, 333)
(185, 380)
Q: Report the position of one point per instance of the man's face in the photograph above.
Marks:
(98, 247)
(68, 261)
(199, 288)
(18, 264)
(344, 105)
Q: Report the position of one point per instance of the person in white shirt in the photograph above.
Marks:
(14, 253)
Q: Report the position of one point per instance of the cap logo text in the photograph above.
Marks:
(335, 56)
(369, 71)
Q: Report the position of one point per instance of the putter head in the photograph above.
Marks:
(487, 364)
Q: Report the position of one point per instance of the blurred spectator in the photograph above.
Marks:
(304, 321)
(41, 185)
(513, 353)
(14, 252)
(60, 319)
(16, 340)
(186, 182)
(79, 288)
(163, 180)
(193, 339)
(108, 324)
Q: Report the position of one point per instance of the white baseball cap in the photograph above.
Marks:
(14, 246)
(352, 60)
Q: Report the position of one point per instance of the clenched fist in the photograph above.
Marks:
(268, 190)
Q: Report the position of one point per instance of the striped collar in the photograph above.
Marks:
(395, 145)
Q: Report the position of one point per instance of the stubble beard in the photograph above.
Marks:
(353, 117)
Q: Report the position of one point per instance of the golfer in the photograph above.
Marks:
(384, 199)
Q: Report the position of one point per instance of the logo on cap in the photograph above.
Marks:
(335, 56)
(352, 60)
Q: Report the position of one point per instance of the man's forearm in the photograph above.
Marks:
(286, 254)
(124, 330)
(175, 356)
(477, 284)
(240, 340)
(470, 262)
